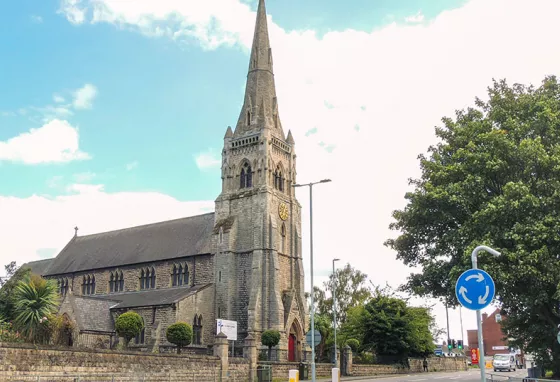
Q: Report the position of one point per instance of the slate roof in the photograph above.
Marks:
(93, 313)
(39, 267)
(159, 241)
(153, 297)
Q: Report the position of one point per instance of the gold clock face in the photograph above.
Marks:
(283, 211)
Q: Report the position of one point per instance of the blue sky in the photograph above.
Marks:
(112, 112)
(159, 103)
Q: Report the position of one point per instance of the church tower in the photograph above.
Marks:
(257, 236)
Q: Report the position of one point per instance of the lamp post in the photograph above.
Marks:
(311, 257)
(334, 308)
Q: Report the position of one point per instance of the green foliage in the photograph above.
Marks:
(36, 300)
(354, 344)
(180, 334)
(270, 338)
(494, 179)
(351, 291)
(391, 329)
(8, 334)
(7, 288)
(128, 325)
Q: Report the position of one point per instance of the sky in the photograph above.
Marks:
(113, 112)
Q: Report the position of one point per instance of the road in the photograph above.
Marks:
(472, 375)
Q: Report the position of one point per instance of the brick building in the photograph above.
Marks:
(494, 338)
(242, 262)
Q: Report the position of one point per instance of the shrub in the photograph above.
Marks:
(8, 334)
(180, 334)
(36, 300)
(270, 338)
(354, 344)
(128, 325)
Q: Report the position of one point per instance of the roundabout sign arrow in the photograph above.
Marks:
(475, 289)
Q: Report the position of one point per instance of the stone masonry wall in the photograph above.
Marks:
(200, 272)
(434, 364)
(21, 362)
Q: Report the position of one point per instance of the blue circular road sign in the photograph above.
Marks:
(475, 289)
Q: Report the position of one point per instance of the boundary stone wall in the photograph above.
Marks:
(23, 361)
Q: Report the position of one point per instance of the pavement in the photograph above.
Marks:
(472, 375)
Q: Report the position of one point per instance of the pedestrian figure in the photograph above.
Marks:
(425, 364)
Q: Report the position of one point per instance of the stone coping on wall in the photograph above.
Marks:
(27, 346)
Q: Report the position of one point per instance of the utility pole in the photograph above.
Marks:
(334, 308)
(448, 334)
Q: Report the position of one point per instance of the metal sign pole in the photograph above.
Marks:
(481, 358)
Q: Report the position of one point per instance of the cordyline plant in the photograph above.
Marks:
(36, 300)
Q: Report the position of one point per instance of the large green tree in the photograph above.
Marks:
(493, 179)
(393, 330)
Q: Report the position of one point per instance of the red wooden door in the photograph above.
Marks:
(292, 348)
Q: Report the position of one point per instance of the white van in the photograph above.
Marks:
(504, 362)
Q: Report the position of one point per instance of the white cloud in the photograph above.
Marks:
(84, 176)
(83, 97)
(387, 88)
(56, 141)
(28, 225)
(131, 166)
(207, 160)
(58, 98)
(416, 18)
(36, 19)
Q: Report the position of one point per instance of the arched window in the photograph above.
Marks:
(174, 276)
(88, 285)
(121, 282)
(92, 289)
(180, 271)
(197, 330)
(248, 118)
(140, 337)
(84, 285)
(283, 233)
(186, 275)
(246, 177)
(278, 179)
(153, 279)
(111, 283)
(142, 280)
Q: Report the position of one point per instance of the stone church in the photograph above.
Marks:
(242, 263)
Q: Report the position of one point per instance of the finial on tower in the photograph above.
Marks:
(290, 138)
(76, 231)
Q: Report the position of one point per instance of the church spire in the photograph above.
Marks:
(259, 110)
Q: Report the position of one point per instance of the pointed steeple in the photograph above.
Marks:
(290, 138)
(259, 109)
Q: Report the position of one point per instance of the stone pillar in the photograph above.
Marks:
(221, 351)
(250, 353)
(348, 360)
(337, 363)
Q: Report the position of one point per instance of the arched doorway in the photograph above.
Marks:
(66, 331)
(294, 342)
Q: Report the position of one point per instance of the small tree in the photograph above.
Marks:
(36, 300)
(180, 334)
(270, 338)
(128, 325)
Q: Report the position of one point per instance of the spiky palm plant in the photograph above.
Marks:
(36, 299)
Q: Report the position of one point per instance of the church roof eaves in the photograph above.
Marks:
(153, 297)
(39, 267)
(165, 240)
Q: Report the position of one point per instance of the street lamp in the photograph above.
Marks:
(311, 256)
(334, 308)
